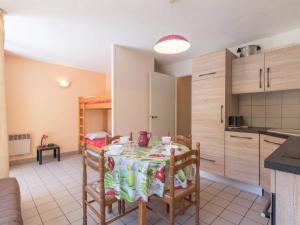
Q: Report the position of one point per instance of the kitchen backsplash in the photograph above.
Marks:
(272, 109)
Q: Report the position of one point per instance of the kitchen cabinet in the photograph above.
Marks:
(287, 189)
(282, 69)
(242, 157)
(275, 70)
(268, 144)
(210, 107)
(248, 74)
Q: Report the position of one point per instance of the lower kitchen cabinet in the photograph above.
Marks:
(242, 156)
(268, 144)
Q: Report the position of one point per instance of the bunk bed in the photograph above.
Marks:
(90, 103)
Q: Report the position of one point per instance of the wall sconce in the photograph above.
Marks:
(64, 83)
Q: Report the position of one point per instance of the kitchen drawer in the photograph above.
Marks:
(212, 163)
(242, 157)
(268, 144)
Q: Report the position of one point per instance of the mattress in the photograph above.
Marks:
(98, 142)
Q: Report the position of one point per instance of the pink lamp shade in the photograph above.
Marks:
(172, 44)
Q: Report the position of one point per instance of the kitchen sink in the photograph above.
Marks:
(292, 132)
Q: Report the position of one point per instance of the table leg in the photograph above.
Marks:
(54, 153)
(37, 155)
(142, 212)
(58, 154)
(40, 157)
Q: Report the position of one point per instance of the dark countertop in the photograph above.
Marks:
(286, 158)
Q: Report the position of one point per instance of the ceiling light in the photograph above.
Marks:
(172, 44)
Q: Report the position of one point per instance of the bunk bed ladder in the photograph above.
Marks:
(81, 126)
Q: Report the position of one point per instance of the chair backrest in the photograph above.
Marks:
(180, 162)
(95, 162)
(109, 140)
(181, 139)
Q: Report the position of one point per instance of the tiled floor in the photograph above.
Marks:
(51, 194)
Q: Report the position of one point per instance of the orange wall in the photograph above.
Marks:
(36, 104)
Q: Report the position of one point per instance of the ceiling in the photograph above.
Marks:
(80, 33)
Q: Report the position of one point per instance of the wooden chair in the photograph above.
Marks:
(173, 196)
(181, 139)
(96, 190)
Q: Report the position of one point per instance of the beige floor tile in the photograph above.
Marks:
(66, 200)
(226, 195)
(36, 220)
(220, 202)
(206, 216)
(257, 207)
(61, 194)
(231, 216)
(211, 190)
(221, 221)
(232, 190)
(43, 200)
(206, 196)
(248, 196)
(190, 221)
(74, 215)
(51, 215)
(247, 221)
(214, 209)
(72, 206)
(47, 207)
(28, 213)
(237, 209)
(62, 220)
(203, 203)
(27, 204)
(255, 216)
(243, 202)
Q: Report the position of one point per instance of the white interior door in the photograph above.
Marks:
(162, 104)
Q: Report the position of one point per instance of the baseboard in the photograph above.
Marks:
(33, 159)
(233, 183)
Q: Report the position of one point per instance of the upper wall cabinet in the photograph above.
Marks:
(282, 68)
(248, 74)
(276, 70)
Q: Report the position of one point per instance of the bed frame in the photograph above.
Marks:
(90, 103)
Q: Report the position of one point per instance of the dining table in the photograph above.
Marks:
(134, 173)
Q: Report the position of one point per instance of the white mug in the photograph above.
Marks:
(166, 140)
(124, 139)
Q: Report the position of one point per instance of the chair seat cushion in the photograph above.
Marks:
(10, 202)
(94, 191)
(181, 193)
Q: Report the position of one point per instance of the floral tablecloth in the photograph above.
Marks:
(141, 172)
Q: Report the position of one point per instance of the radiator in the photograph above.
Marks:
(19, 144)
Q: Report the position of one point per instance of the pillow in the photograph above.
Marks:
(94, 135)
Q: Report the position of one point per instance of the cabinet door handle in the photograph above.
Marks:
(268, 77)
(206, 74)
(234, 136)
(222, 106)
(271, 142)
(260, 73)
(209, 160)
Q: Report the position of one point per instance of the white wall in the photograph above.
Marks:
(130, 90)
(179, 69)
(280, 40)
